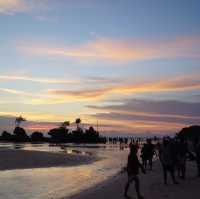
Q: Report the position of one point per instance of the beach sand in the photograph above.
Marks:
(22, 159)
(152, 186)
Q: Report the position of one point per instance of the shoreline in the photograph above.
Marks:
(152, 186)
(91, 192)
(12, 159)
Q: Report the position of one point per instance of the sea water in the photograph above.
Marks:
(58, 182)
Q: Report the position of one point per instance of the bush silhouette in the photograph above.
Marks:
(20, 135)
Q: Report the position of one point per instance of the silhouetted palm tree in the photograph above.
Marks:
(65, 124)
(78, 121)
(19, 120)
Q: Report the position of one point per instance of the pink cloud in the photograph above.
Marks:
(122, 50)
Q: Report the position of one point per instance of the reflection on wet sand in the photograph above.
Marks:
(56, 182)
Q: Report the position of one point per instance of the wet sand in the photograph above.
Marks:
(152, 186)
(22, 159)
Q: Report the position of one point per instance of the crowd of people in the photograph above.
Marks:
(173, 154)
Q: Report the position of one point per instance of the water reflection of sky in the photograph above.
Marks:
(47, 183)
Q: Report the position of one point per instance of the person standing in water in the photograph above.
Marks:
(133, 167)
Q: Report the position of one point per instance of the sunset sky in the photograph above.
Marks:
(131, 65)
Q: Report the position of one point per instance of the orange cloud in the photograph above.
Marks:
(40, 127)
(146, 114)
(174, 84)
(81, 94)
(12, 6)
(31, 116)
(135, 115)
(138, 126)
(181, 83)
(118, 50)
(35, 98)
(59, 96)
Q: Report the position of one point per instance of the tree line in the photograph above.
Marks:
(61, 134)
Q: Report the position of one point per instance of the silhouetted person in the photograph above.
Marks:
(121, 143)
(133, 171)
(144, 155)
(131, 143)
(197, 151)
(149, 153)
(181, 150)
(137, 145)
(167, 158)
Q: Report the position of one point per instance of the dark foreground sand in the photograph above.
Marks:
(21, 159)
(151, 185)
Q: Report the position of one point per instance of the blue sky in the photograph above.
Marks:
(65, 59)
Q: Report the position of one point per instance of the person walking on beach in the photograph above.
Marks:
(144, 155)
(167, 157)
(150, 151)
(133, 167)
(182, 151)
(197, 151)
